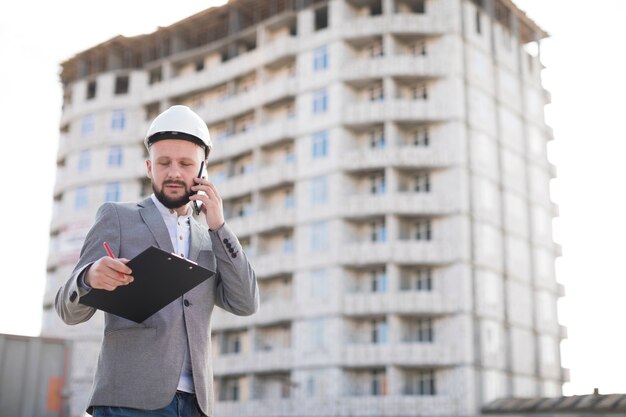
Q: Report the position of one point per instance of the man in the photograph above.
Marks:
(163, 365)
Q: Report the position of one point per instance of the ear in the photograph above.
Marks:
(149, 168)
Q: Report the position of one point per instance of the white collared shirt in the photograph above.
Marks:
(179, 228)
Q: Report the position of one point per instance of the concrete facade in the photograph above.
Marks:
(384, 165)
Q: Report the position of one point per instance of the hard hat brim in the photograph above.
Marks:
(178, 136)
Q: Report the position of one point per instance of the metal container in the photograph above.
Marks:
(33, 373)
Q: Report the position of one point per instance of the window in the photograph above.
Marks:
(319, 284)
(319, 191)
(116, 156)
(422, 182)
(420, 7)
(378, 232)
(320, 144)
(420, 382)
(87, 125)
(121, 84)
(320, 101)
(423, 280)
(421, 137)
(375, 92)
(420, 331)
(418, 48)
(84, 160)
(320, 59)
(417, 280)
(378, 281)
(199, 65)
(319, 236)
(91, 89)
(377, 139)
(112, 192)
(377, 184)
(423, 230)
(81, 198)
(155, 76)
(230, 389)
(375, 50)
(318, 333)
(379, 331)
(321, 18)
(478, 22)
(118, 120)
(287, 244)
(378, 383)
(419, 92)
(231, 343)
(290, 156)
(290, 202)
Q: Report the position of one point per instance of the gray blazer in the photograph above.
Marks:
(140, 364)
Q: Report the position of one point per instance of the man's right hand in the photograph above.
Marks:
(108, 273)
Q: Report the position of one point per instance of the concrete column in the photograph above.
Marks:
(394, 381)
(393, 228)
(388, 6)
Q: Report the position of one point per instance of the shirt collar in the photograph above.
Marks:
(165, 212)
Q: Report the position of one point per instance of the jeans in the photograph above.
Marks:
(183, 405)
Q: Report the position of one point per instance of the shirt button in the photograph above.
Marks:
(180, 237)
(182, 255)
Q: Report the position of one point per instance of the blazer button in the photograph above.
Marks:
(186, 303)
(225, 240)
(231, 250)
(234, 255)
(73, 296)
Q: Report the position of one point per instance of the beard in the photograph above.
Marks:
(172, 203)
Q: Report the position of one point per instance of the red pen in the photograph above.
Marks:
(110, 253)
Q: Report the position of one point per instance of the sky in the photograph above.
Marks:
(585, 74)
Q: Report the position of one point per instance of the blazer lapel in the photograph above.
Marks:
(199, 237)
(153, 219)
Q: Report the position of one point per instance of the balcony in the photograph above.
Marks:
(278, 310)
(278, 49)
(414, 302)
(402, 354)
(69, 178)
(274, 264)
(400, 251)
(221, 320)
(230, 146)
(331, 406)
(394, 65)
(260, 361)
(263, 135)
(277, 130)
(277, 218)
(367, 26)
(210, 77)
(398, 203)
(368, 112)
(405, 157)
(237, 185)
(278, 174)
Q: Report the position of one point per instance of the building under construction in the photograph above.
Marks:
(384, 165)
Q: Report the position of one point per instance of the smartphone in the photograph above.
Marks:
(196, 205)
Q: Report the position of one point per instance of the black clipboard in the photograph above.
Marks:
(160, 277)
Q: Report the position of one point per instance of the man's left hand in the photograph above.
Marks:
(211, 203)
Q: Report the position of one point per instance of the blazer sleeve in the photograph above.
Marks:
(236, 289)
(105, 229)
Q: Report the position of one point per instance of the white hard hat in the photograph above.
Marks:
(179, 122)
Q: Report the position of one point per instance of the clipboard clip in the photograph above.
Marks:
(182, 257)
